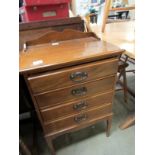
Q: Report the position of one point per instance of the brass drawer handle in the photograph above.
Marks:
(78, 76)
(79, 91)
(80, 106)
(80, 118)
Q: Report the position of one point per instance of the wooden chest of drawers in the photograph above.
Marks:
(71, 84)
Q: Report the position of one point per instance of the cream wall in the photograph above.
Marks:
(131, 2)
(132, 12)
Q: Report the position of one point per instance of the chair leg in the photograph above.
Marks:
(120, 74)
(129, 121)
(125, 85)
(109, 123)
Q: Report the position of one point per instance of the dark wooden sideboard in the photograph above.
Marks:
(71, 82)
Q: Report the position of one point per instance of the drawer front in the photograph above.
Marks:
(76, 107)
(72, 75)
(75, 92)
(78, 119)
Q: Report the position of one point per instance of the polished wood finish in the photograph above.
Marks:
(52, 98)
(33, 30)
(76, 107)
(45, 82)
(107, 118)
(79, 50)
(71, 83)
(78, 119)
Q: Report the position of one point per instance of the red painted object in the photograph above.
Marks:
(43, 2)
(44, 12)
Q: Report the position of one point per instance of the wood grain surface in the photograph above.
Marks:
(66, 53)
(76, 107)
(48, 81)
(53, 98)
(71, 120)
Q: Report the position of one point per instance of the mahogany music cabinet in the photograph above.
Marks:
(71, 82)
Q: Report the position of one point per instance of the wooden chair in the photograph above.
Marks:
(108, 8)
(122, 73)
(121, 69)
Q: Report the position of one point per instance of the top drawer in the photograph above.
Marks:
(72, 75)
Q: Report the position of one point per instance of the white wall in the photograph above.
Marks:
(131, 2)
(81, 7)
(132, 12)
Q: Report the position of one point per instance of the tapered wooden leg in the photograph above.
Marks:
(109, 123)
(50, 144)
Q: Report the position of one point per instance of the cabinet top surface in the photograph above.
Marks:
(65, 53)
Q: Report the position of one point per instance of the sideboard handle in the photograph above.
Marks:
(80, 106)
(79, 91)
(78, 76)
(80, 118)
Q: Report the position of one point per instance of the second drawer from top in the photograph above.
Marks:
(77, 92)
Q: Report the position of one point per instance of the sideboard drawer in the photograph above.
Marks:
(76, 92)
(76, 120)
(76, 106)
(73, 75)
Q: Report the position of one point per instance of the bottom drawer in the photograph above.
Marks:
(76, 120)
